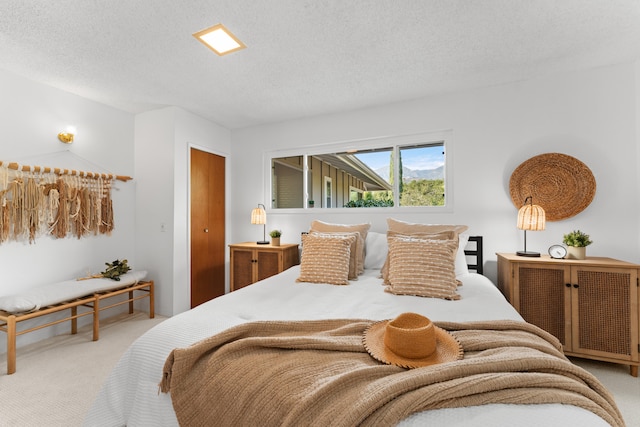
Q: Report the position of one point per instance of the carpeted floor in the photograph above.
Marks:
(58, 378)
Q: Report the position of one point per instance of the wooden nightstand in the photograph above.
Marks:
(250, 262)
(590, 305)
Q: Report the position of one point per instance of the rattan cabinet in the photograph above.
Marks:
(250, 262)
(590, 305)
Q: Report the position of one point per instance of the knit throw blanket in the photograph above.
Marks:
(319, 373)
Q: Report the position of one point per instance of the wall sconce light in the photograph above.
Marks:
(259, 216)
(67, 135)
(530, 217)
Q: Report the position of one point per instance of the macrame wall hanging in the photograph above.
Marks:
(36, 201)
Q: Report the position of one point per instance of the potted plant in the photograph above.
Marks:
(275, 237)
(577, 243)
(311, 203)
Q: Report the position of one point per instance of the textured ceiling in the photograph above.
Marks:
(304, 57)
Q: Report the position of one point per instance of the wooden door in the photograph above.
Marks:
(207, 226)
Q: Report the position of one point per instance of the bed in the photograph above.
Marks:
(131, 396)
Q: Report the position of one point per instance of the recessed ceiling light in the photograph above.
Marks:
(219, 39)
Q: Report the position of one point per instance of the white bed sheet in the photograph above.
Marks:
(130, 394)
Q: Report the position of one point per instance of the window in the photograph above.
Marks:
(355, 194)
(328, 192)
(401, 172)
(422, 183)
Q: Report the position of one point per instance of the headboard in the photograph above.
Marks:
(475, 253)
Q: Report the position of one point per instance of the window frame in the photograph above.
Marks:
(392, 142)
(327, 197)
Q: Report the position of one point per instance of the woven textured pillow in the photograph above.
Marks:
(325, 259)
(411, 228)
(404, 227)
(355, 247)
(422, 267)
(363, 229)
(445, 235)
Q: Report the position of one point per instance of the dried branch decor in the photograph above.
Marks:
(114, 270)
(39, 202)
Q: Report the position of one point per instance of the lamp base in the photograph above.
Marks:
(262, 242)
(528, 253)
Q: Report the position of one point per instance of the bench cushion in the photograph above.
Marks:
(46, 295)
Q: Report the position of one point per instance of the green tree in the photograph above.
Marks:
(371, 199)
(423, 192)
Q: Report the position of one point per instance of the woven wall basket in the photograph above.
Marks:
(561, 184)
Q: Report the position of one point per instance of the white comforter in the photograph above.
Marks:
(130, 395)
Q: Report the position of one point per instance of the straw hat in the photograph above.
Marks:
(410, 341)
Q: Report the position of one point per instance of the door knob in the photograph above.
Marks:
(206, 230)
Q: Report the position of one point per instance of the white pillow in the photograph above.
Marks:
(461, 260)
(376, 249)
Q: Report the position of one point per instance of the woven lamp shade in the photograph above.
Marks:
(258, 216)
(562, 185)
(531, 218)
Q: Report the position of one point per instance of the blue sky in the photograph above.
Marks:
(423, 158)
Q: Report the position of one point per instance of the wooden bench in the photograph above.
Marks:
(88, 305)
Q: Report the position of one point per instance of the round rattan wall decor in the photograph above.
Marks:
(561, 184)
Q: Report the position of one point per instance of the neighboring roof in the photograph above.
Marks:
(305, 57)
(350, 164)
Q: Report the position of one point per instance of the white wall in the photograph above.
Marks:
(163, 140)
(590, 115)
(31, 115)
(152, 148)
(636, 193)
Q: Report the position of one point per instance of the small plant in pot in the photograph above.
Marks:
(577, 243)
(275, 237)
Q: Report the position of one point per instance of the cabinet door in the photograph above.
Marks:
(268, 264)
(290, 257)
(605, 318)
(542, 298)
(243, 265)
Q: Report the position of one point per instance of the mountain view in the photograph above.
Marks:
(411, 174)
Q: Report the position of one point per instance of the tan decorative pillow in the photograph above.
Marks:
(411, 228)
(423, 267)
(355, 247)
(325, 259)
(363, 229)
(444, 235)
